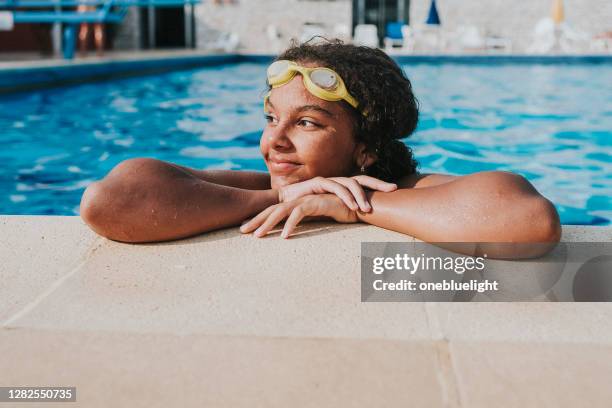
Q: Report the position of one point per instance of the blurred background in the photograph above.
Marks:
(40, 28)
(522, 86)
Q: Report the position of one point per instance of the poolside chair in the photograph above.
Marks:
(312, 30)
(470, 38)
(408, 39)
(222, 41)
(425, 38)
(543, 37)
(394, 35)
(549, 37)
(498, 43)
(573, 39)
(473, 39)
(272, 33)
(602, 42)
(366, 35)
(274, 38)
(232, 42)
(342, 32)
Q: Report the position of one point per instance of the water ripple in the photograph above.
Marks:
(552, 124)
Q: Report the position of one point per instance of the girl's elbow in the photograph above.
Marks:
(541, 220)
(93, 205)
(94, 209)
(546, 226)
(98, 211)
(107, 206)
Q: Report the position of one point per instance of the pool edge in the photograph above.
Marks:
(32, 75)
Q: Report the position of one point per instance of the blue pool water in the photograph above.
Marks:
(550, 123)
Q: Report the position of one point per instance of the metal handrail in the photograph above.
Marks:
(63, 11)
(67, 17)
(14, 4)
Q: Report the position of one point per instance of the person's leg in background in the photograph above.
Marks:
(83, 32)
(83, 37)
(99, 37)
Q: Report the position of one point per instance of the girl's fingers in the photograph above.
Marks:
(257, 220)
(273, 219)
(341, 191)
(358, 192)
(375, 184)
(294, 219)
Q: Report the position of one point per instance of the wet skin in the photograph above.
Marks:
(306, 139)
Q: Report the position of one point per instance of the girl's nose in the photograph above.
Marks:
(277, 136)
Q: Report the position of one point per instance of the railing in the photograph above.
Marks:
(14, 4)
(63, 11)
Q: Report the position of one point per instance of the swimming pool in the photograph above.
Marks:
(550, 123)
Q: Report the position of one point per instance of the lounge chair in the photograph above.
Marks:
(274, 39)
(222, 41)
(544, 39)
(602, 42)
(473, 39)
(342, 32)
(498, 43)
(549, 37)
(408, 39)
(367, 35)
(394, 35)
(425, 38)
(312, 30)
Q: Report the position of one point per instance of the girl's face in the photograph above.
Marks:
(306, 136)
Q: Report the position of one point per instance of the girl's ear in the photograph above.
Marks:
(364, 157)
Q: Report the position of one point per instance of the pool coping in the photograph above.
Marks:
(199, 316)
(31, 75)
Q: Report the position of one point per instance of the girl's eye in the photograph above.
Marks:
(269, 118)
(307, 123)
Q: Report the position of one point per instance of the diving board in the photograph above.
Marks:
(64, 12)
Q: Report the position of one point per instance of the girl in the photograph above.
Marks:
(335, 116)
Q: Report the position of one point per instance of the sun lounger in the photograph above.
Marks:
(312, 30)
(367, 35)
(394, 35)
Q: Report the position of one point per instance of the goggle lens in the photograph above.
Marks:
(322, 82)
(277, 68)
(325, 79)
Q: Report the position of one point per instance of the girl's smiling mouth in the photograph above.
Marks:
(279, 164)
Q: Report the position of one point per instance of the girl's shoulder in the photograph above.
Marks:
(419, 180)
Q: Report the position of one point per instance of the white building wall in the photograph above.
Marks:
(515, 19)
(250, 18)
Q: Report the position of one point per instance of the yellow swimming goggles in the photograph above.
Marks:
(324, 83)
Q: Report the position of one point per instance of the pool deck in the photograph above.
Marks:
(31, 74)
(35, 74)
(227, 320)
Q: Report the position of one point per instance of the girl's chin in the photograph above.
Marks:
(281, 181)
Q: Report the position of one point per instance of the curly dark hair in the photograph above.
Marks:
(382, 90)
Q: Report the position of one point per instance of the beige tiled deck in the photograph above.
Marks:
(37, 61)
(226, 319)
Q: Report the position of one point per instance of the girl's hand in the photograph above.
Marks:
(327, 205)
(348, 189)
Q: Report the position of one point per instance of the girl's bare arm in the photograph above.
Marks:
(250, 180)
(147, 200)
(481, 207)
